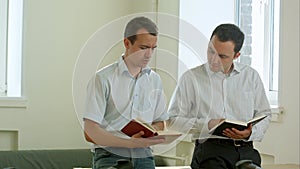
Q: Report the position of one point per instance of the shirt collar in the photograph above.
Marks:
(236, 69)
(146, 69)
(123, 67)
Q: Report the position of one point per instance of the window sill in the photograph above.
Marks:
(13, 102)
(277, 112)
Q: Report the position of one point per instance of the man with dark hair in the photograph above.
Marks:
(126, 90)
(221, 89)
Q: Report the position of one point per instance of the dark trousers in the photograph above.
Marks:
(222, 154)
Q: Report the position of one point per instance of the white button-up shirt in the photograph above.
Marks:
(202, 95)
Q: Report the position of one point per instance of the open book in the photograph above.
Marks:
(137, 125)
(239, 125)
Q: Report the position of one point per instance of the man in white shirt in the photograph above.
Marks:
(120, 92)
(221, 89)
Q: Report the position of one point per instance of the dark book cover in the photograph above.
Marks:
(219, 130)
(239, 125)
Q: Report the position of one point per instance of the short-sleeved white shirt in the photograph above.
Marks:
(114, 97)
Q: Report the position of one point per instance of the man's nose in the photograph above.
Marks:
(215, 58)
(149, 52)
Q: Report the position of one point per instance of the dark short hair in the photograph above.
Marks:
(230, 32)
(138, 23)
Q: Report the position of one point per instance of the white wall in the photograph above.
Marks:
(55, 31)
(282, 138)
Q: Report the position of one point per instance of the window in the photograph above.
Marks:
(11, 17)
(3, 40)
(205, 16)
(258, 19)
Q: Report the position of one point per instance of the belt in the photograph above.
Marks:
(230, 142)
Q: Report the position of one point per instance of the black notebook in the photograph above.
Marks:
(239, 125)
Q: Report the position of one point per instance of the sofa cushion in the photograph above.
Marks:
(46, 159)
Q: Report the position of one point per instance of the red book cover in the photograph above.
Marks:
(134, 126)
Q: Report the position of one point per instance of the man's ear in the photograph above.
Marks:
(237, 55)
(126, 43)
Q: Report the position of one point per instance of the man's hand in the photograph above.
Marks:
(237, 134)
(138, 135)
(159, 125)
(139, 142)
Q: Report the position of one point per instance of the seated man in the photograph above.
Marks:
(221, 89)
(122, 91)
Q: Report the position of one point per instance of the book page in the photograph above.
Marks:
(168, 132)
(237, 122)
(169, 136)
(257, 119)
(147, 125)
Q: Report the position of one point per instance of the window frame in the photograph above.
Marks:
(3, 45)
(11, 55)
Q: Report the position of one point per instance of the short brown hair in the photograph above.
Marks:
(138, 23)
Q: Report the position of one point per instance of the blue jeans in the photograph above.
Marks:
(103, 159)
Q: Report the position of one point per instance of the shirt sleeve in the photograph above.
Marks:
(95, 101)
(262, 106)
(160, 108)
(183, 109)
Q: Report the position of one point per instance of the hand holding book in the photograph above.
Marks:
(239, 125)
(137, 127)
